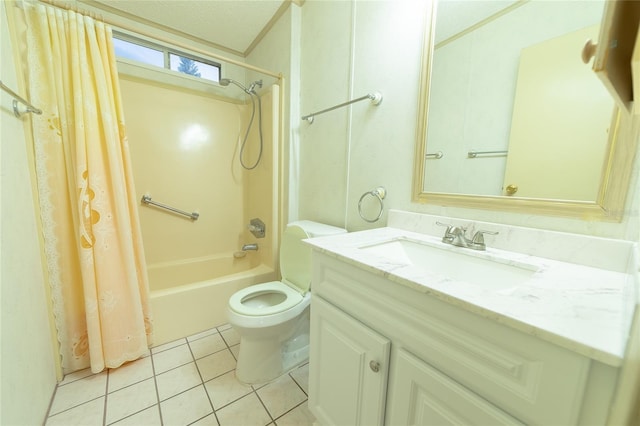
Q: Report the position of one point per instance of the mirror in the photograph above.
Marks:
(510, 118)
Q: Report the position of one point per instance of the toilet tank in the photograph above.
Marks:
(295, 256)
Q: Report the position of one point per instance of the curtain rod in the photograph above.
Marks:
(17, 98)
(137, 30)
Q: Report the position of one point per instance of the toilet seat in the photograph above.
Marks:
(292, 298)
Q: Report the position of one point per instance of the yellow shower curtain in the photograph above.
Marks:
(92, 236)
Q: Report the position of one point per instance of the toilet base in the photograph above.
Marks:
(266, 356)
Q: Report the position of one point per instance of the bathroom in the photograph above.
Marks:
(328, 52)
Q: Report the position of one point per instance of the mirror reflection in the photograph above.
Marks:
(512, 109)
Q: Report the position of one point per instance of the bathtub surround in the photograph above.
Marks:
(189, 158)
(88, 204)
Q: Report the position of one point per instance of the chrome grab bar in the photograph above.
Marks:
(375, 98)
(146, 199)
(474, 153)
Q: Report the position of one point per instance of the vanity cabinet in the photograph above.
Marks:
(385, 353)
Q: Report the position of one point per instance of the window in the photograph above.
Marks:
(128, 47)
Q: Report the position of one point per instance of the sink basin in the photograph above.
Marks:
(454, 263)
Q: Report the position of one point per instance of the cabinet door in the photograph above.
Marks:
(421, 395)
(348, 366)
(615, 51)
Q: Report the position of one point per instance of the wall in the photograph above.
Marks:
(28, 370)
(351, 48)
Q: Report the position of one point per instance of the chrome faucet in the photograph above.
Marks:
(456, 236)
(249, 247)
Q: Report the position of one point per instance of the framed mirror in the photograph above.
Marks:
(510, 117)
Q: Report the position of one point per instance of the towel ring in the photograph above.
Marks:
(379, 193)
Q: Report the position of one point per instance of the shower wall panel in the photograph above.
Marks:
(184, 148)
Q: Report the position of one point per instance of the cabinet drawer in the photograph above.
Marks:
(531, 379)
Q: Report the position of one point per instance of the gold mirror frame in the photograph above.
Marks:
(614, 183)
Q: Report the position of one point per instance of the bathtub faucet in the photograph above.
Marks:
(247, 247)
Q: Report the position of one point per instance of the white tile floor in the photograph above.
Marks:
(187, 382)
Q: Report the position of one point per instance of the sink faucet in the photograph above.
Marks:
(456, 236)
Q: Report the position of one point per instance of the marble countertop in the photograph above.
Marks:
(578, 307)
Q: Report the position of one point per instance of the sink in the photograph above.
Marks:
(454, 263)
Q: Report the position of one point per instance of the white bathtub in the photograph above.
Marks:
(190, 296)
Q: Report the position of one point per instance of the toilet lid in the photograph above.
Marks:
(292, 299)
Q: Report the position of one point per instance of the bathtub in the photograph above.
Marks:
(191, 295)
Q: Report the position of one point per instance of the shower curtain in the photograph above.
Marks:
(92, 238)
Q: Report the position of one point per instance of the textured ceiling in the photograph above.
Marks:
(233, 24)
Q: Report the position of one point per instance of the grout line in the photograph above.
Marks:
(106, 393)
(225, 342)
(203, 417)
(53, 396)
(265, 407)
(155, 382)
(292, 408)
(296, 382)
(60, 384)
(152, 352)
(133, 414)
(202, 382)
(250, 391)
(212, 353)
(75, 406)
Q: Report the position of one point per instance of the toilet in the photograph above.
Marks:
(272, 319)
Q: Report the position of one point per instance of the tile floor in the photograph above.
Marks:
(190, 381)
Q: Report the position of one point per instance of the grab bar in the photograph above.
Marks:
(474, 153)
(146, 199)
(375, 98)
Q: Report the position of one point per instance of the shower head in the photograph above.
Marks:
(226, 81)
(250, 90)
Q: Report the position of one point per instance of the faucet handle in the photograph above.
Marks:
(478, 237)
(451, 227)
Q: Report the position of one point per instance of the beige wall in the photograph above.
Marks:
(27, 371)
(350, 49)
(184, 148)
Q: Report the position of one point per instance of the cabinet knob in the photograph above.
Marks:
(375, 366)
